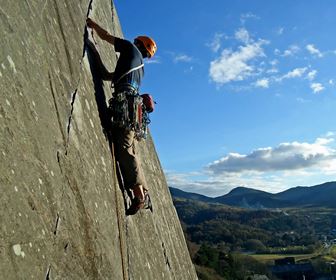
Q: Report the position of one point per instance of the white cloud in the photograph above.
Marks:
(286, 156)
(247, 16)
(331, 82)
(182, 58)
(316, 87)
(273, 70)
(330, 134)
(295, 73)
(215, 44)
(293, 49)
(263, 83)
(313, 50)
(235, 66)
(280, 31)
(242, 35)
(274, 62)
(268, 169)
(311, 75)
(302, 100)
(216, 186)
(188, 70)
(155, 60)
(192, 183)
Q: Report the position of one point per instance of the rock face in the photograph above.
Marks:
(62, 213)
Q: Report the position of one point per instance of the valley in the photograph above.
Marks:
(231, 242)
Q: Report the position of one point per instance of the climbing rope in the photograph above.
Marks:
(122, 240)
(109, 136)
(124, 255)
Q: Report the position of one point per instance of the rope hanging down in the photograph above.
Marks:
(122, 240)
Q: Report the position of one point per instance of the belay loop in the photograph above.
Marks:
(132, 112)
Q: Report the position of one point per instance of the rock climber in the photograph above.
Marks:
(127, 77)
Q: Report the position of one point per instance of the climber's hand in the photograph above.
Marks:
(90, 23)
(101, 32)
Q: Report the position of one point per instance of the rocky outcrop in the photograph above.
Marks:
(62, 213)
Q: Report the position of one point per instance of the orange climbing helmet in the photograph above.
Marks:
(148, 43)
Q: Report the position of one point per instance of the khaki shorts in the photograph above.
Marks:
(124, 147)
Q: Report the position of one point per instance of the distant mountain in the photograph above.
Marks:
(249, 198)
(323, 195)
(187, 195)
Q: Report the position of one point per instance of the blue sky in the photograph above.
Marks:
(245, 91)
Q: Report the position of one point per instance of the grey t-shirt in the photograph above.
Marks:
(130, 57)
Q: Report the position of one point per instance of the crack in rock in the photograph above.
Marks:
(74, 94)
(165, 255)
(58, 220)
(66, 247)
(73, 99)
(47, 277)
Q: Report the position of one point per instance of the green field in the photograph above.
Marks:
(333, 251)
(329, 255)
(218, 235)
(265, 258)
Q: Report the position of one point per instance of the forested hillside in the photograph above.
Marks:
(224, 238)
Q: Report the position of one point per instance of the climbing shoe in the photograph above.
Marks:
(138, 204)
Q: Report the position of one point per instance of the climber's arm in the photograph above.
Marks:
(104, 73)
(102, 33)
(108, 76)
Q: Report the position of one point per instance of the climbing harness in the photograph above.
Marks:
(130, 112)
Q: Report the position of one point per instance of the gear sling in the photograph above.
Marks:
(131, 110)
